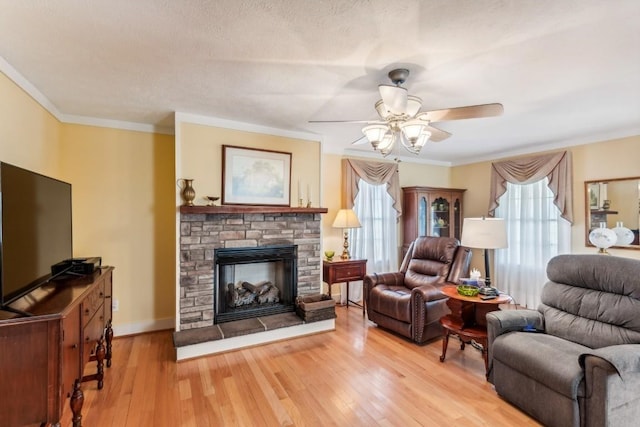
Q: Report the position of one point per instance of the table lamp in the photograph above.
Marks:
(484, 233)
(345, 219)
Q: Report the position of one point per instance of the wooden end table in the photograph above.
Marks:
(468, 320)
(345, 271)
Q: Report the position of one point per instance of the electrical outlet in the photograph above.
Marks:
(115, 306)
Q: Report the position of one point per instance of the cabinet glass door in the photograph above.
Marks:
(440, 226)
(457, 218)
(422, 216)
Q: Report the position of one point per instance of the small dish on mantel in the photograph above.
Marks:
(211, 200)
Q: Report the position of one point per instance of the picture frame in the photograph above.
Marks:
(252, 176)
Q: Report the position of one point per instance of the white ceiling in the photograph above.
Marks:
(566, 71)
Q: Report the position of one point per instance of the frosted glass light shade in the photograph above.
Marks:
(602, 238)
(624, 235)
(375, 134)
(412, 129)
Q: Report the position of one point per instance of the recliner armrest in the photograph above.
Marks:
(393, 279)
(428, 292)
(503, 321)
(624, 358)
(612, 383)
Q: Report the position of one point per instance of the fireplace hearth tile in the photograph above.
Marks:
(196, 336)
(241, 327)
(235, 329)
(282, 320)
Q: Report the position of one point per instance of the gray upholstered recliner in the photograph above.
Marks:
(409, 302)
(582, 365)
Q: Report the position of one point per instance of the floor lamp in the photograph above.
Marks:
(345, 219)
(484, 233)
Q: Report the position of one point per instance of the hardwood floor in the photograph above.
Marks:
(358, 375)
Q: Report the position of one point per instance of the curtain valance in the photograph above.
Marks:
(374, 173)
(555, 166)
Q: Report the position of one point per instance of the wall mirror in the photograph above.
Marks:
(616, 203)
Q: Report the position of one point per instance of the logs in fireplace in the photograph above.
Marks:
(253, 282)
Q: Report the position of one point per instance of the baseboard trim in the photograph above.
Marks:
(142, 327)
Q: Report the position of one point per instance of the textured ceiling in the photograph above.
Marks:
(566, 71)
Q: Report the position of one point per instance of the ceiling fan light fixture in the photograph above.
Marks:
(375, 134)
(411, 129)
(413, 105)
(387, 143)
(382, 109)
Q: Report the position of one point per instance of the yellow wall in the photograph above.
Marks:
(29, 134)
(200, 159)
(603, 160)
(123, 211)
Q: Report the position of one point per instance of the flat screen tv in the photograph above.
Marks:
(35, 231)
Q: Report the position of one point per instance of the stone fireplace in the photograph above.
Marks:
(204, 231)
(254, 282)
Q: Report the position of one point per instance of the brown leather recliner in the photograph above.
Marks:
(409, 302)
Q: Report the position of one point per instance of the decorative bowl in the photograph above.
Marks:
(468, 291)
(329, 255)
(211, 200)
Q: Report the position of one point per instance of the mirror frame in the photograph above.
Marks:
(587, 209)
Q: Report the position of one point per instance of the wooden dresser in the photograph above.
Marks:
(42, 356)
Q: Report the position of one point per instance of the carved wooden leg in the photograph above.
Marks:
(445, 343)
(100, 355)
(109, 339)
(76, 402)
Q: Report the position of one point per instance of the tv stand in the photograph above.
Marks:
(15, 310)
(43, 356)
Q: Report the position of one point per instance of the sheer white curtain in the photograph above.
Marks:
(377, 239)
(536, 233)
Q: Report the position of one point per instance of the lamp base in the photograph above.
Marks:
(345, 253)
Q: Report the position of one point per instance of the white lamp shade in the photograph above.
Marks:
(484, 233)
(375, 133)
(346, 218)
(412, 129)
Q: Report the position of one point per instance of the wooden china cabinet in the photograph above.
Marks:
(431, 211)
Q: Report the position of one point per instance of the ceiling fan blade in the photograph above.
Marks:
(394, 97)
(459, 113)
(360, 141)
(437, 135)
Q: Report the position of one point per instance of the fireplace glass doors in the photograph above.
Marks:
(253, 282)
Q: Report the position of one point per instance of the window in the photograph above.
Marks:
(377, 239)
(536, 233)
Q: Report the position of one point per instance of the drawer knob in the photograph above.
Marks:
(74, 346)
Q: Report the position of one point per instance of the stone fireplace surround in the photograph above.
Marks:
(204, 229)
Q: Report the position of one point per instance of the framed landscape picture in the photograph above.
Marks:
(252, 176)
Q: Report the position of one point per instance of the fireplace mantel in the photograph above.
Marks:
(226, 209)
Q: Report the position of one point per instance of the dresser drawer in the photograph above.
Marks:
(93, 303)
(344, 271)
(92, 333)
(348, 272)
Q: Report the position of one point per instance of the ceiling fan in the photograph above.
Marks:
(401, 118)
